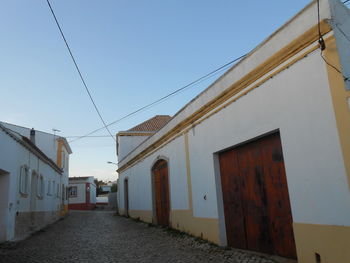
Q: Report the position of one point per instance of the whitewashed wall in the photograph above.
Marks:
(298, 103)
(46, 142)
(128, 143)
(92, 194)
(81, 194)
(140, 180)
(12, 156)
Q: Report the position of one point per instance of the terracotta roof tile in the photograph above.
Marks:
(152, 125)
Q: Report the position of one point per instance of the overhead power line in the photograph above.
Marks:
(206, 76)
(322, 42)
(78, 70)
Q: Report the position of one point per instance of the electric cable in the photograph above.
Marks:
(79, 72)
(322, 42)
(206, 76)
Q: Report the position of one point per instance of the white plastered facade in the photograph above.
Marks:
(296, 101)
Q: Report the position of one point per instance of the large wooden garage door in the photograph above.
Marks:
(256, 200)
(161, 187)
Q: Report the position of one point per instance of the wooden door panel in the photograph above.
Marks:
(158, 195)
(161, 189)
(256, 199)
(279, 209)
(126, 197)
(233, 209)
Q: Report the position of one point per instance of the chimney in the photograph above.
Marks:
(32, 135)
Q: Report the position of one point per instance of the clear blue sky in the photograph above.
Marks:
(130, 52)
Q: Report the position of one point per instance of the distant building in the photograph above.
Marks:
(82, 193)
(105, 188)
(33, 180)
(128, 140)
(260, 160)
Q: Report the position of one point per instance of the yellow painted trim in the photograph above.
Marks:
(297, 45)
(184, 220)
(59, 153)
(64, 210)
(205, 228)
(332, 243)
(143, 215)
(188, 173)
(135, 133)
(339, 97)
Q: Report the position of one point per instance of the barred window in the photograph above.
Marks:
(73, 191)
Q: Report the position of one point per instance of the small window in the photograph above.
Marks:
(23, 180)
(40, 187)
(72, 191)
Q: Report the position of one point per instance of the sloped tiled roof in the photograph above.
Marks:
(151, 125)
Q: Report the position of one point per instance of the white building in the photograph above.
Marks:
(106, 188)
(54, 147)
(33, 181)
(260, 160)
(82, 193)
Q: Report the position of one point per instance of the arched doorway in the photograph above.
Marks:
(161, 192)
(126, 197)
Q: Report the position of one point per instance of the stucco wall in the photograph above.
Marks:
(92, 194)
(298, 97)
(45, 141)
(12, 156)
(128, 143)
(81, 193)
(140, 182)
(297, 102)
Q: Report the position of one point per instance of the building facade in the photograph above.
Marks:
(82, 193)
(33, 185)
(260, 160)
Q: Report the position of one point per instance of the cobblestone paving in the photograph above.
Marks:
(102, 236)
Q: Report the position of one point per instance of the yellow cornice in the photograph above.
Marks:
(135, 133)
(281, 56)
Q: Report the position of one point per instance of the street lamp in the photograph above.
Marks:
(112, 163)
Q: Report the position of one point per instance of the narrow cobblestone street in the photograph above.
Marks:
(102, 236)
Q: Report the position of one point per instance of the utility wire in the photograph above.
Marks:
(206, 76)
(79, 72)
(322, 43)
(123, 118)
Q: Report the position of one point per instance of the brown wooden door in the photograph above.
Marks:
(126, 196)
(256, 200)
(161, 189)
